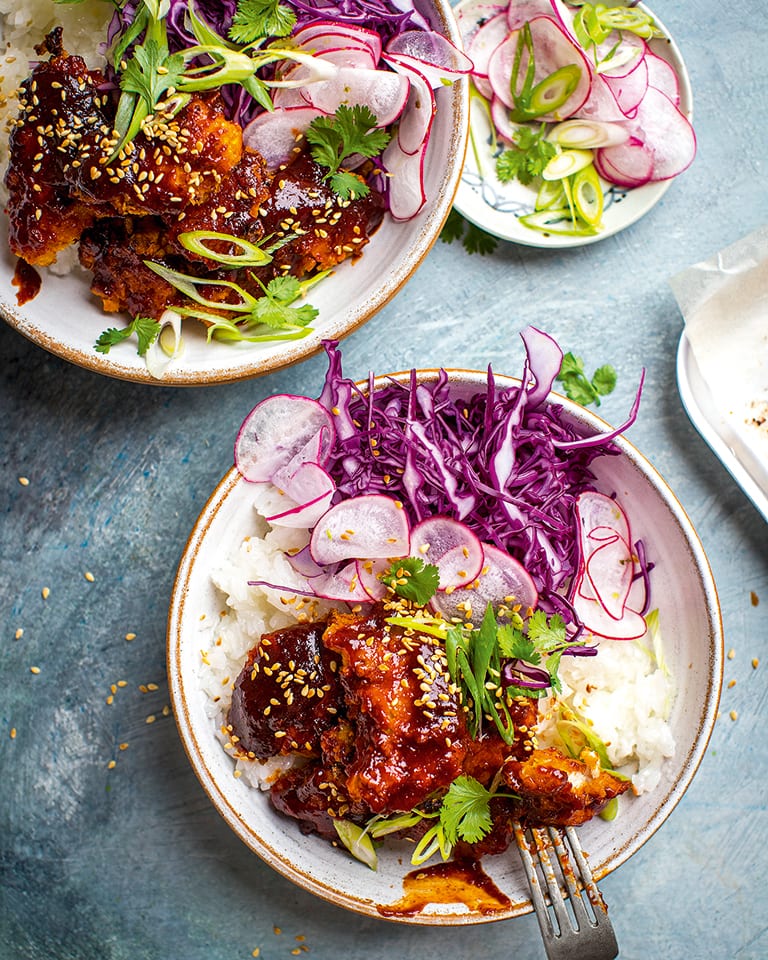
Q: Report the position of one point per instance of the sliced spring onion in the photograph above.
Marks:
(587, 134)
(357, 840)
(551, 195)
(196, 241)
(567, 163)
(587, 193)
(168, 345)
(188, 286)
(549, 94)
(559, 222)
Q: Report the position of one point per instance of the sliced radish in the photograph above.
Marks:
(368, 572)
(311, 489)
(407, 193)
(629, 88)
(416, 120)
(276, 430)
(484, 42)
(609, 571)
(435, 56)
(304, 564)
(503, 580)
(500, 116)
(523, 11)
(324, 34)
(364, 527)
(343, 584)
(385, 93)
(598, 512)
(275, 134)
(452, 547)
(662, 76)
(552, 49)
(596, 619)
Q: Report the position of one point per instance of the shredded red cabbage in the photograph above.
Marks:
(439, 455)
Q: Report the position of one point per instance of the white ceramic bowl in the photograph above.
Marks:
(65, 318)
(684, 592)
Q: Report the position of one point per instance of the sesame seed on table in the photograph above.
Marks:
(109, 847)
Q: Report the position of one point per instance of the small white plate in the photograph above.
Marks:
(496, 207)
(742, 462)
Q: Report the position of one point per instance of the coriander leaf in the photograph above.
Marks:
(528, 157)
(151, 71)
(546, 634)
(579, 387)
(514, 645)
(453, 228)
(146, 329)
(413, 579)
(284, 289)
(351, 130)
(604, 380)
(473, 238)
(465, 813)
(255, 19)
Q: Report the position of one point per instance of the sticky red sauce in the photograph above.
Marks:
(28, 281)
(460, 882)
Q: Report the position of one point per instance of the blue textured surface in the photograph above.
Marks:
(134, 863)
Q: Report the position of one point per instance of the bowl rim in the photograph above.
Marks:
(689, 764)
(282, 354)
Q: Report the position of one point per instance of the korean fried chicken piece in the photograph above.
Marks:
(327, 228)
(44, 215)
(556, 790)
(410, 733)
(286, 695)
(61, 174)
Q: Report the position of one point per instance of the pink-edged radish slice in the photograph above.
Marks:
(432, 54)
(311, 489)
(597, 621)
(304, 564)
(601, 104)
(407, 193)
(630, 88)
(343, 584)
(365, 527)
(416, 120)
(470, 17)
(360, 57)
(385, 93)
(505, 128)
(599, 512)
(275, 134)
(523, 11)
(276, 430)
(452, 547)
(662, 76)
(323, 34)
(609, 570)
(484, 42)
(503, 580)
(552, 49)
(627, 165)
(368, 572)
(659, 135)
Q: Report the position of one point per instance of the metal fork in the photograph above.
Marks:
(573, 918)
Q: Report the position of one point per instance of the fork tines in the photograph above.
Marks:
(572, 916)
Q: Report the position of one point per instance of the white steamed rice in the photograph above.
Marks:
(625, 692)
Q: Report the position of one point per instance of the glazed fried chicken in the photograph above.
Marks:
(185, 170)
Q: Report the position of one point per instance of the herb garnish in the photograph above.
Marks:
(472, 237)
(351, 130)
(146, 329)
(413, 579)
(583, 389)
(529, 156)
(261, 18)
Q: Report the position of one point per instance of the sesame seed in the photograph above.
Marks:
(24, 481)
(46, 592)
(733, 715)
(20, 633)
(731, 683)
(89, 576)
(151, 718)
(112, 764)
(34, 669)
(755, 663)
(123, 746)
(13, 733)
(130, 636)
(731, 653)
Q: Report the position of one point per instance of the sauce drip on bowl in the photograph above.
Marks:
(458, 881)
(28, 281)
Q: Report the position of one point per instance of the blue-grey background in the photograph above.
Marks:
(133, 863)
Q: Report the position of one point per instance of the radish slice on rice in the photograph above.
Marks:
(304, 564)
(596, 619)
(383, 91)
(311, 489)
(365, 527)
(276, 430)
(502, 581)
(343, 584)
(275, 134)
(609, 570)
(658, 132)
(368, 572)
(452, 547)
(552, 49)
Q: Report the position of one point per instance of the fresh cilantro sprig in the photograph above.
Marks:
(255, 19)
(474, 240)
(465, 813)
(540, 642)
(146, 329)
(528, 157)
(413, 579)
(351, 130)
(583, 389)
